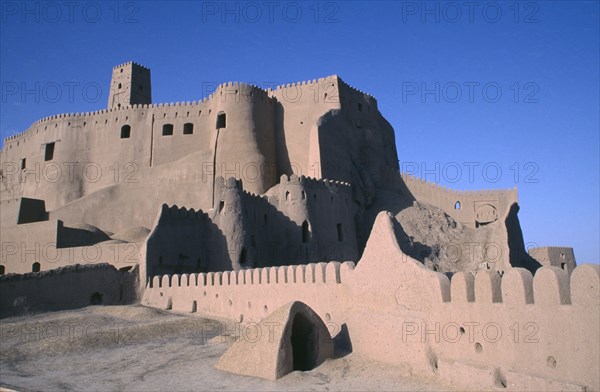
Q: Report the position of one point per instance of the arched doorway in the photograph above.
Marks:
(304, 341)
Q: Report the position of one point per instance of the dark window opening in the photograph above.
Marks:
(96, 299)
(49, 152)
(340, 232)
(304, 341)
(305, 231)
(167, 130)
(120, 85)
(221, 120)
(287, 195)
(23, 164)
(169, 304)
(2, 269)
(221, 206)
(563, 266)
(125, 132)
(194, 306)
(243, 257)
(35, 267)
(188, 128)
(457, 205)
(303, 195)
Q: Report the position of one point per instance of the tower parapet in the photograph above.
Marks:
(130, 85)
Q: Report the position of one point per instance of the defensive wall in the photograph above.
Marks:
(47, 245)
(302, 220)
(471, 208)
(70, 287)
(512, 331)
(554, 256)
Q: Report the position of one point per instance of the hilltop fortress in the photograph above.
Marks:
(237, 204)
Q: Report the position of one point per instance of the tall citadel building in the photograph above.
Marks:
(287, 194)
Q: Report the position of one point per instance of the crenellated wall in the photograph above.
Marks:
(512, 331)
(251, 294)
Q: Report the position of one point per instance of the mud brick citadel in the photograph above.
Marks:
(287, 204)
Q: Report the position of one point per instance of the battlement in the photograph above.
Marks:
(174, 214)
(331, 273)
(357, 90)
(411, 180)
(130, 63)
(311, 182)
(550, 287)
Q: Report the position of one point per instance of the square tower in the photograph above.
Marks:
(130, 85)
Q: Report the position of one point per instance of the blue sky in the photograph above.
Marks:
(507, 92)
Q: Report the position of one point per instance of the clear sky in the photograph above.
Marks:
(480, 94)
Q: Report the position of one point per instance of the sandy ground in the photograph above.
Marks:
(110, 348)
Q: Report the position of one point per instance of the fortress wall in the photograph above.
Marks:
(246, 147)
(356, 143)
(40, 242)
(90, 154)
(9, 211)
(299, 106)
(555, 256)
(184, 241)
(472, 205)
(250, 295)
(517, 329)
(65, 288)
(169, 148)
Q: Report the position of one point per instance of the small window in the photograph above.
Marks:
(457, 205)
(35, 267)
(221, 120)
(188, 128)
(2, 270)
(23, 164)
(287, 195)
(340, 232)
(125, 132)
(49, 153)
(167, 130)
(221, 206)
(120, 85)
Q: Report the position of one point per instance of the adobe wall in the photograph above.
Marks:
(357, 144)
(65, 288)
(300, 220)
(554, 256)
(184, 241)
(518, 331)
(89, 153)
(474, 208)
(47, 243)
(250, 295)
(299, 106)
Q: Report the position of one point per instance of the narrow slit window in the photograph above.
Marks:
(340, 232)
